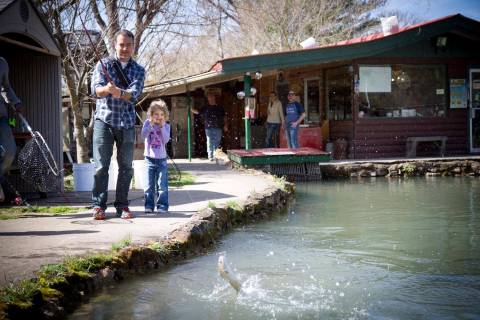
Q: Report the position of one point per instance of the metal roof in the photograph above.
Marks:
(350, 49)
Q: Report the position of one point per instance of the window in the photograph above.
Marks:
(402, 91)
(312, 100)
(339, 93)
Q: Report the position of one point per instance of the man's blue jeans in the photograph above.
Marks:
(156, 183)
(291, 134)
(214, 135)
(7, 147)
(104, 136)
(272, 135)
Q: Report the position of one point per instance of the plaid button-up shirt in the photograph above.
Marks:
(115, 111)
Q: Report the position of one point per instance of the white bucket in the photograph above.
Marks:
(139, 173)
(83, 176)
(113, 175)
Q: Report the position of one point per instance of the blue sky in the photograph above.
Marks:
(431, 9)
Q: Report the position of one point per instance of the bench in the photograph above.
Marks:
(412, 143)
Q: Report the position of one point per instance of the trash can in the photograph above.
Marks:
(340, 149)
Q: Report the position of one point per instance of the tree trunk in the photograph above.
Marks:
(82, 145)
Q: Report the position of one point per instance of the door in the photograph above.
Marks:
(179, 127)
(474, 110)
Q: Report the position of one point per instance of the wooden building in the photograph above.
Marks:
(379, 96)
(27, 44)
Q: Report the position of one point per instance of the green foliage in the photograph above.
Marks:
(158, 247)
(408, 169)
(84, 265)
(122, 244)
(50, 271)
(233, 205)
(50, 293)
(20, 293)
(281, 182)
(211, 205)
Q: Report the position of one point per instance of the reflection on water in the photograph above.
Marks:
(376, 249)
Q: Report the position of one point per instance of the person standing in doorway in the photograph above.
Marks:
(7, 142)
(156, 134)
(214, 119)
(117, 94)
(294, 115)
(275, 119)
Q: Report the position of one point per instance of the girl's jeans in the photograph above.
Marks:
(156, 183)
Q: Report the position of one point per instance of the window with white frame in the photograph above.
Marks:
(402, 90)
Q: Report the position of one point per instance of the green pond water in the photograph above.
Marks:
(369, 249)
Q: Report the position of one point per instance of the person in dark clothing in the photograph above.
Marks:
(7, 142)
(214, 118)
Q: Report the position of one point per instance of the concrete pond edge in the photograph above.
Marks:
(57, 295)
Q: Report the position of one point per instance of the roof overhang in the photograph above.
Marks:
(190, 83)
(21, 17)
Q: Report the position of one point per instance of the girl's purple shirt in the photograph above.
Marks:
(155, 138)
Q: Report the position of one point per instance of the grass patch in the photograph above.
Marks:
(158, 247)
(122, 244)
(233, 205)
(408, 169)
(21, 211)
(178, 180)
(87, 265)
(281, 182)
(211, 205)
(20, 293)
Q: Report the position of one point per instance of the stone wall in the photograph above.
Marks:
(408, 168)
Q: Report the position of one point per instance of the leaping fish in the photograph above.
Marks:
(227, 274)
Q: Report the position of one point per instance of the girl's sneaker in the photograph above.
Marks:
(148, 210)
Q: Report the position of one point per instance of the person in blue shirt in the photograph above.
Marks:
(117, 84)
(294, 115)
(156, 135)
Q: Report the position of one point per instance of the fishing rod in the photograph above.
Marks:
(104, 69)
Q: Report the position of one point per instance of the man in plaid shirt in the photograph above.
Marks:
(117, 83)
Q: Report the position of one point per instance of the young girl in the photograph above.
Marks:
(156, 134)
